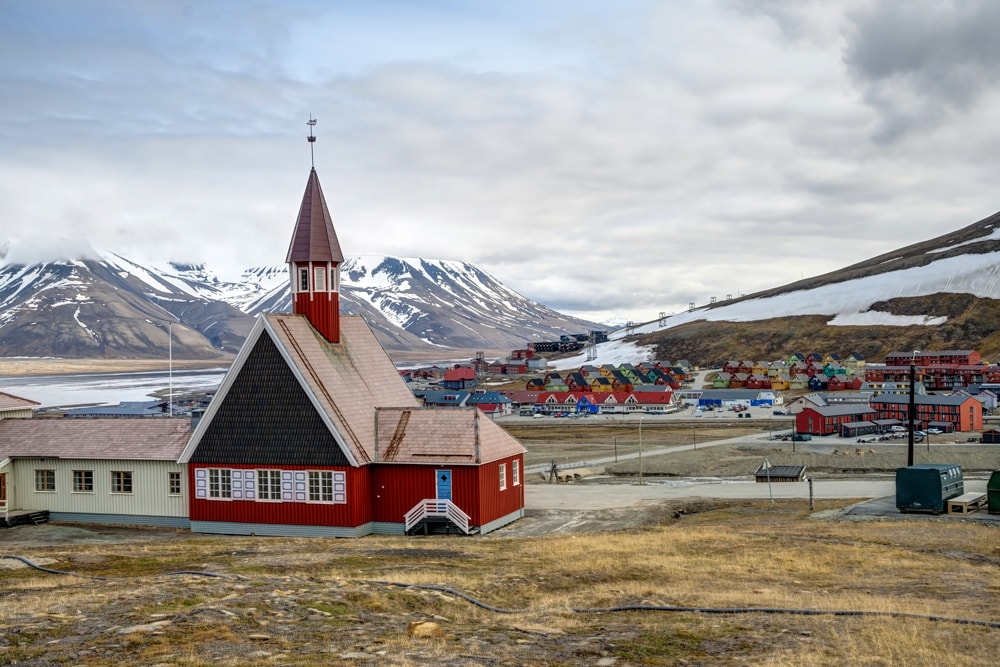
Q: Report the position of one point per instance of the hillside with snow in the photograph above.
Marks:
(943, 293)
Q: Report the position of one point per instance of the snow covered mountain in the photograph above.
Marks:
(110, 306)
(939, 294)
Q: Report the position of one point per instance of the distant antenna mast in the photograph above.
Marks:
(311, 139)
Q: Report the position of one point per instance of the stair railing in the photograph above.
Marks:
(437, 508)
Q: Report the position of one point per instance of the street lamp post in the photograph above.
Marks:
(767, 469)
(641, 482)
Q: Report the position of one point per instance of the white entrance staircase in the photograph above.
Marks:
(437, 510)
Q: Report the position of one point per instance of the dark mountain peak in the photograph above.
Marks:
(113, 306)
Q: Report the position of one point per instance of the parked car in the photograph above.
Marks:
(779, 413)
(799, 437)
(935, 431)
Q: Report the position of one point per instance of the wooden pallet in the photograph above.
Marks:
(23, 517)
(967, 503)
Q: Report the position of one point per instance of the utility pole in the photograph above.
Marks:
(170, 365)
(641, 482)
(912, 408)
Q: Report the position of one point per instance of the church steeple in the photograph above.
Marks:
(314, 259)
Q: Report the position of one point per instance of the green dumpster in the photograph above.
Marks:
(926, 487)
(993, 493)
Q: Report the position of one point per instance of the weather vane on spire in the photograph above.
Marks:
(311, 139)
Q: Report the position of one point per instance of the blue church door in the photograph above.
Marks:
(444, 484)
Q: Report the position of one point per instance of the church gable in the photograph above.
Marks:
(266, 418)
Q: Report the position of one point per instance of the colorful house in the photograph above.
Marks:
(779, 382)
(828, 419)
(460, 377)
(599, 383)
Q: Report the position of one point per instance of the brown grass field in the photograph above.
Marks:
(324, 601)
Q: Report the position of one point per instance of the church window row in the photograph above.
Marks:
(295, 486)
(319, 282)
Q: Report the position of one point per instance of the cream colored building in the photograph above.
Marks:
(121, 471)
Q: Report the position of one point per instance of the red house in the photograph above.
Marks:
(313, 432)
(827, 419)
(459, 377)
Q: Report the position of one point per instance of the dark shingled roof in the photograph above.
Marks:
(314, 239)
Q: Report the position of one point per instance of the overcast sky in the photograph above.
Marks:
(608, 159)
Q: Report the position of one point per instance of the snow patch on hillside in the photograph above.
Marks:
(848, 302)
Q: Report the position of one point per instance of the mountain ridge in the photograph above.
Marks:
(114, 307)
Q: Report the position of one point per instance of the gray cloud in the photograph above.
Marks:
(919, 62)
(603, 162)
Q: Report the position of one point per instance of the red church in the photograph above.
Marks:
(314, 432)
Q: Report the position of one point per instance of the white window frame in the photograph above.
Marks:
(220, 484)
(515, 470)
(321, 486)
(83, 476)
(45, 475)
(122, 480)
(303, 281)
(319, 279)
(503, 476)
(269, 485)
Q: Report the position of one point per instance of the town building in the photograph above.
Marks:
(828, 419)
(116, 471)
(954, 412)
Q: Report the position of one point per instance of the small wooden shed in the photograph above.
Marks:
(991, 437)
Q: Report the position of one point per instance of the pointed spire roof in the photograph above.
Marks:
(314, 238)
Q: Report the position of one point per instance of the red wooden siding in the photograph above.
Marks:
(474, 489)
(356, 512)
(496, 503)
(397, 488)
(323, 311)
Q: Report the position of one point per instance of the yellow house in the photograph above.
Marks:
(779, 382)
(599, 384)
